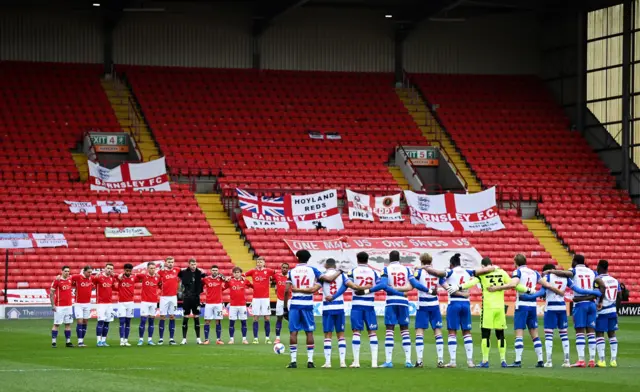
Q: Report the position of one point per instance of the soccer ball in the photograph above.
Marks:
(278, 348)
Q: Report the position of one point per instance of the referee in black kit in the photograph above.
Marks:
(191, 281)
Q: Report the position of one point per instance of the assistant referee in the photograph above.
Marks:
(191, 279)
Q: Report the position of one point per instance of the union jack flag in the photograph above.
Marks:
(269, 206)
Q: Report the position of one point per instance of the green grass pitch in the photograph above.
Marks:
(28, 363)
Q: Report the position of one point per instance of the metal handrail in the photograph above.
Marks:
(92, 147)
(411, 166)
(453, 165)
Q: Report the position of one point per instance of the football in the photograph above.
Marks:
(278, 348)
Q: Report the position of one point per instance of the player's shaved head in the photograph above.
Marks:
(363, 257)
(520, 260)
(577, 260)
(486, 262)
(303, 255)
(330, 263)
(454, 261)
(394, 255)
(426, 259)
(548, 267)
(603, 266)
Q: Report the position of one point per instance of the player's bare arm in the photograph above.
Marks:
(601, 286)
(287, 293)
(52, 294)
(485, 270)
(549, 286)
(560, 273)
(434, 272)
(330, 277)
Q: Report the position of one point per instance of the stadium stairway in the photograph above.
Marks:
(399, 177)
(80, 160)
(225, 229)
(432, 131)
(549, 240)
(118, 97)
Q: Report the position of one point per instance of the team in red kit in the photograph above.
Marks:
(71, 296)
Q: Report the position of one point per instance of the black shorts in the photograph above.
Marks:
(191, 306)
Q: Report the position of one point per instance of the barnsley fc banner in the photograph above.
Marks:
(344, 251)
(313, 211)
(365, 207)
(147, 176)
(448, 212)
(126, 232)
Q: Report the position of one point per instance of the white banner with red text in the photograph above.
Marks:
(313, 211)
(126, 232)
(147, 176)
(32, 240)
(449, 212)
(344, 251)
(381, 208)
(99, 207)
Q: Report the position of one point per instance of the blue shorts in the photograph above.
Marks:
(525, 317)
(428, 315)
(459, 316)
(584, 315)
(396, 315)
(555, 319)
(364, 317)
(607, 322)
(333, 320)
(301, 319)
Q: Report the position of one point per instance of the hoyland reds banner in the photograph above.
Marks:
(449, 212)
(344, 251)
(365, 207)
(147, 176)
(314, 211)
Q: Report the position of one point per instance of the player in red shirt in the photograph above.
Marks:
(104, 293)
(125, 284)
(149, 301)
(260, 305)
(82, 306)
(213, 303)
(168, 298)
(61, 295)
(238, 305)
(280, 281)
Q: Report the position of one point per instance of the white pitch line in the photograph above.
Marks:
(75, 369)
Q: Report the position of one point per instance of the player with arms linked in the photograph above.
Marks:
(125, 285)
(168, 298)
(260, 304)
(237, 287)
(104, 283)
(607, 317)
(213, 303)
(82, 306)
(149, 301)
(61, 294)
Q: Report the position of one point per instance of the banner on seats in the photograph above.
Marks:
(366, 207)
(99, 207)
(449, 212)
(32, 240)
(126, 232)
(313, 211)
(147, 176)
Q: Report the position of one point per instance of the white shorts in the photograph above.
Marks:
(125, 309)
(213, 311)
(148, 309)
(82, 311)
(63, 315)
(280, 307)
(237, 312)
(105, 312)
(168, 306)
(261, 307)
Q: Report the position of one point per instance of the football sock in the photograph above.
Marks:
(342, 349)
(218, 331)
(468, 346)
(255, 329)
(580, 346)
(452, 342)
(592, 345)
(519, 346)
(278, 328)
(206, 331)
(327, 350)
(232, 328)
(355, 346)
(122, 324)
(373, 342)
(127, 328)
(406, 344)
(185, 327)
(600, 346)
(172, 328)
(388, 346)
(485, 346)
(105, 331)
(143, 321)
(613, 345)
(548, 343)
(196, 326)
(537, 347)
(502, 347)
(419, 347)
(54, 336)
(564, 337)
(244, 328)
(151, 327)
(293, 350)
(440, 348)
(309, 352)
(161, 328)
(67, 336)
(99, 327)
(79, 331)
(267, 328)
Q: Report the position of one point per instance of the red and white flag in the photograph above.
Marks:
(381, 208)
(449, 212)
(313, 211)
(147, 176)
